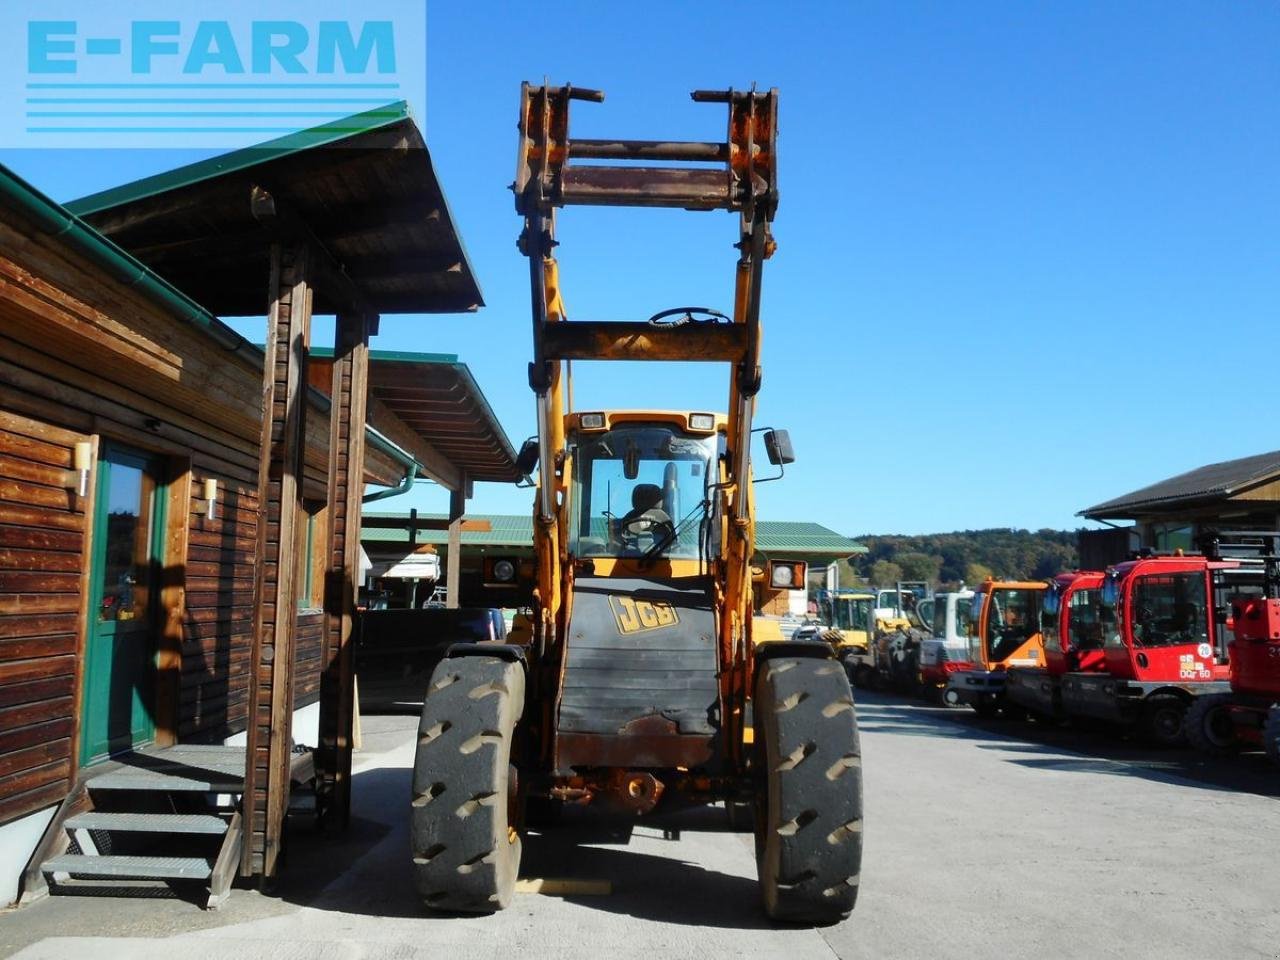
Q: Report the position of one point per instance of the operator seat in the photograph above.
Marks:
(646, 501)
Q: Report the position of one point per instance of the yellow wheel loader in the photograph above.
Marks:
(632, 691)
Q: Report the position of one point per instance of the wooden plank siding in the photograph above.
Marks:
(42, 545)
(85, 357)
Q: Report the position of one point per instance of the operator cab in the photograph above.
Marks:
(1072, 620)
(1005, 627)
(643, 486)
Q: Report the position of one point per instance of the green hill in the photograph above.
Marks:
(966, 555)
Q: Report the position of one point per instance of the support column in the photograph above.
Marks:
(270, 709)
(453, 573)
(346, 488)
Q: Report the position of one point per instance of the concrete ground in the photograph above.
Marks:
(982, 840)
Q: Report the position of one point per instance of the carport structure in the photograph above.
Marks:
(344, 219)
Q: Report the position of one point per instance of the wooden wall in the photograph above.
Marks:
(85, 357)
(42, 542)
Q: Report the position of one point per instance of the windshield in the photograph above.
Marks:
(851, 614)
(1170, 609)
(1085, 620)
(961, 606)
(1014, 619)
(658, 509)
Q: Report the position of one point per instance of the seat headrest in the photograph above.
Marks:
(646, 496)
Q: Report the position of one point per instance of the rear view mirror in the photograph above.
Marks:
(631, 461)
(777, 447)
(527, 458)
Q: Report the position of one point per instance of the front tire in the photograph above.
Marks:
(466, 852)
(1163, 721)
(809, 836)
(1208, 725)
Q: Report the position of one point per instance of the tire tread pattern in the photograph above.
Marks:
(809, 844)
(465, 858)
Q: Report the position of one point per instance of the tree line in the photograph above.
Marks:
(968, 556)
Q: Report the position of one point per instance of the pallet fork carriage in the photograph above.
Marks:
(633, 687)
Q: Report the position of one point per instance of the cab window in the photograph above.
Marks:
(1169, 609)
(1085, 621)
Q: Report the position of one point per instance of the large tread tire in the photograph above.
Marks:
(1164, 721)
(809, 832)
(466, 854)
(1208, 725)
(1271, 735)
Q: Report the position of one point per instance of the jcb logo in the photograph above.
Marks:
(636, 615)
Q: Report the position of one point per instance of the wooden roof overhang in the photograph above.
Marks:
(438, 399)
(363, 189)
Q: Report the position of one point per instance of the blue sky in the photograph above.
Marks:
(1029, 254)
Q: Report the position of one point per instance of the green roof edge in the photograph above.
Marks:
(325, 133)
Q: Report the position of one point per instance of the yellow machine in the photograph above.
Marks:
(632, 690)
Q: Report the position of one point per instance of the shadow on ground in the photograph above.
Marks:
(1112, 751)
(366, 870)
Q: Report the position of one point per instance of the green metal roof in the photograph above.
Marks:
(193, 173)
(402, 356)
(798, 539)
(363, 187)
(785, 536)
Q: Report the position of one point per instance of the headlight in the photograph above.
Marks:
(783, 577)
(504, 571)
(592, 421)
(702, 421)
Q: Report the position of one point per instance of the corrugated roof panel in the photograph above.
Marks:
(1210, 482)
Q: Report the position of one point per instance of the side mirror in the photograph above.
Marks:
(777, 447)
(1052, 602)
(527, 458)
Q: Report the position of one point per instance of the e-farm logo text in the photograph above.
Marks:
(98, 79)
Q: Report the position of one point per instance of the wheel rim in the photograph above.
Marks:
(1218, 728)
(1167, 723)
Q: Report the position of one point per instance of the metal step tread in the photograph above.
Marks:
(148, 822)
(206, 781)
(170, 868)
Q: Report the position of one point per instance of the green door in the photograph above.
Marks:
(128, 557)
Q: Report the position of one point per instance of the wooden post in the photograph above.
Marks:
(346, 489)
(267, 760)
(453, 575)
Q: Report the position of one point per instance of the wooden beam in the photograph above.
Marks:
(326, 273)
(267, 760)
(346, 453)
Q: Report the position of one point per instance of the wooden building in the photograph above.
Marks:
(152, 520)
(1172, 514)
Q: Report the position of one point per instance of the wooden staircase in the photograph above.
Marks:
(158, 822)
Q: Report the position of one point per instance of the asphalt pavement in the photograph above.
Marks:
(983, 839)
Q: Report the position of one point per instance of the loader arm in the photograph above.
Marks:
(738, 174)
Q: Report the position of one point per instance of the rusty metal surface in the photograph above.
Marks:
(742, 179)
(660, 751)
(609, 340)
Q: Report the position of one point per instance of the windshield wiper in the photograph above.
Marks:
(673, 533)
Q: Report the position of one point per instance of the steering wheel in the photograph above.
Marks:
(685, 315)
(646, 525)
